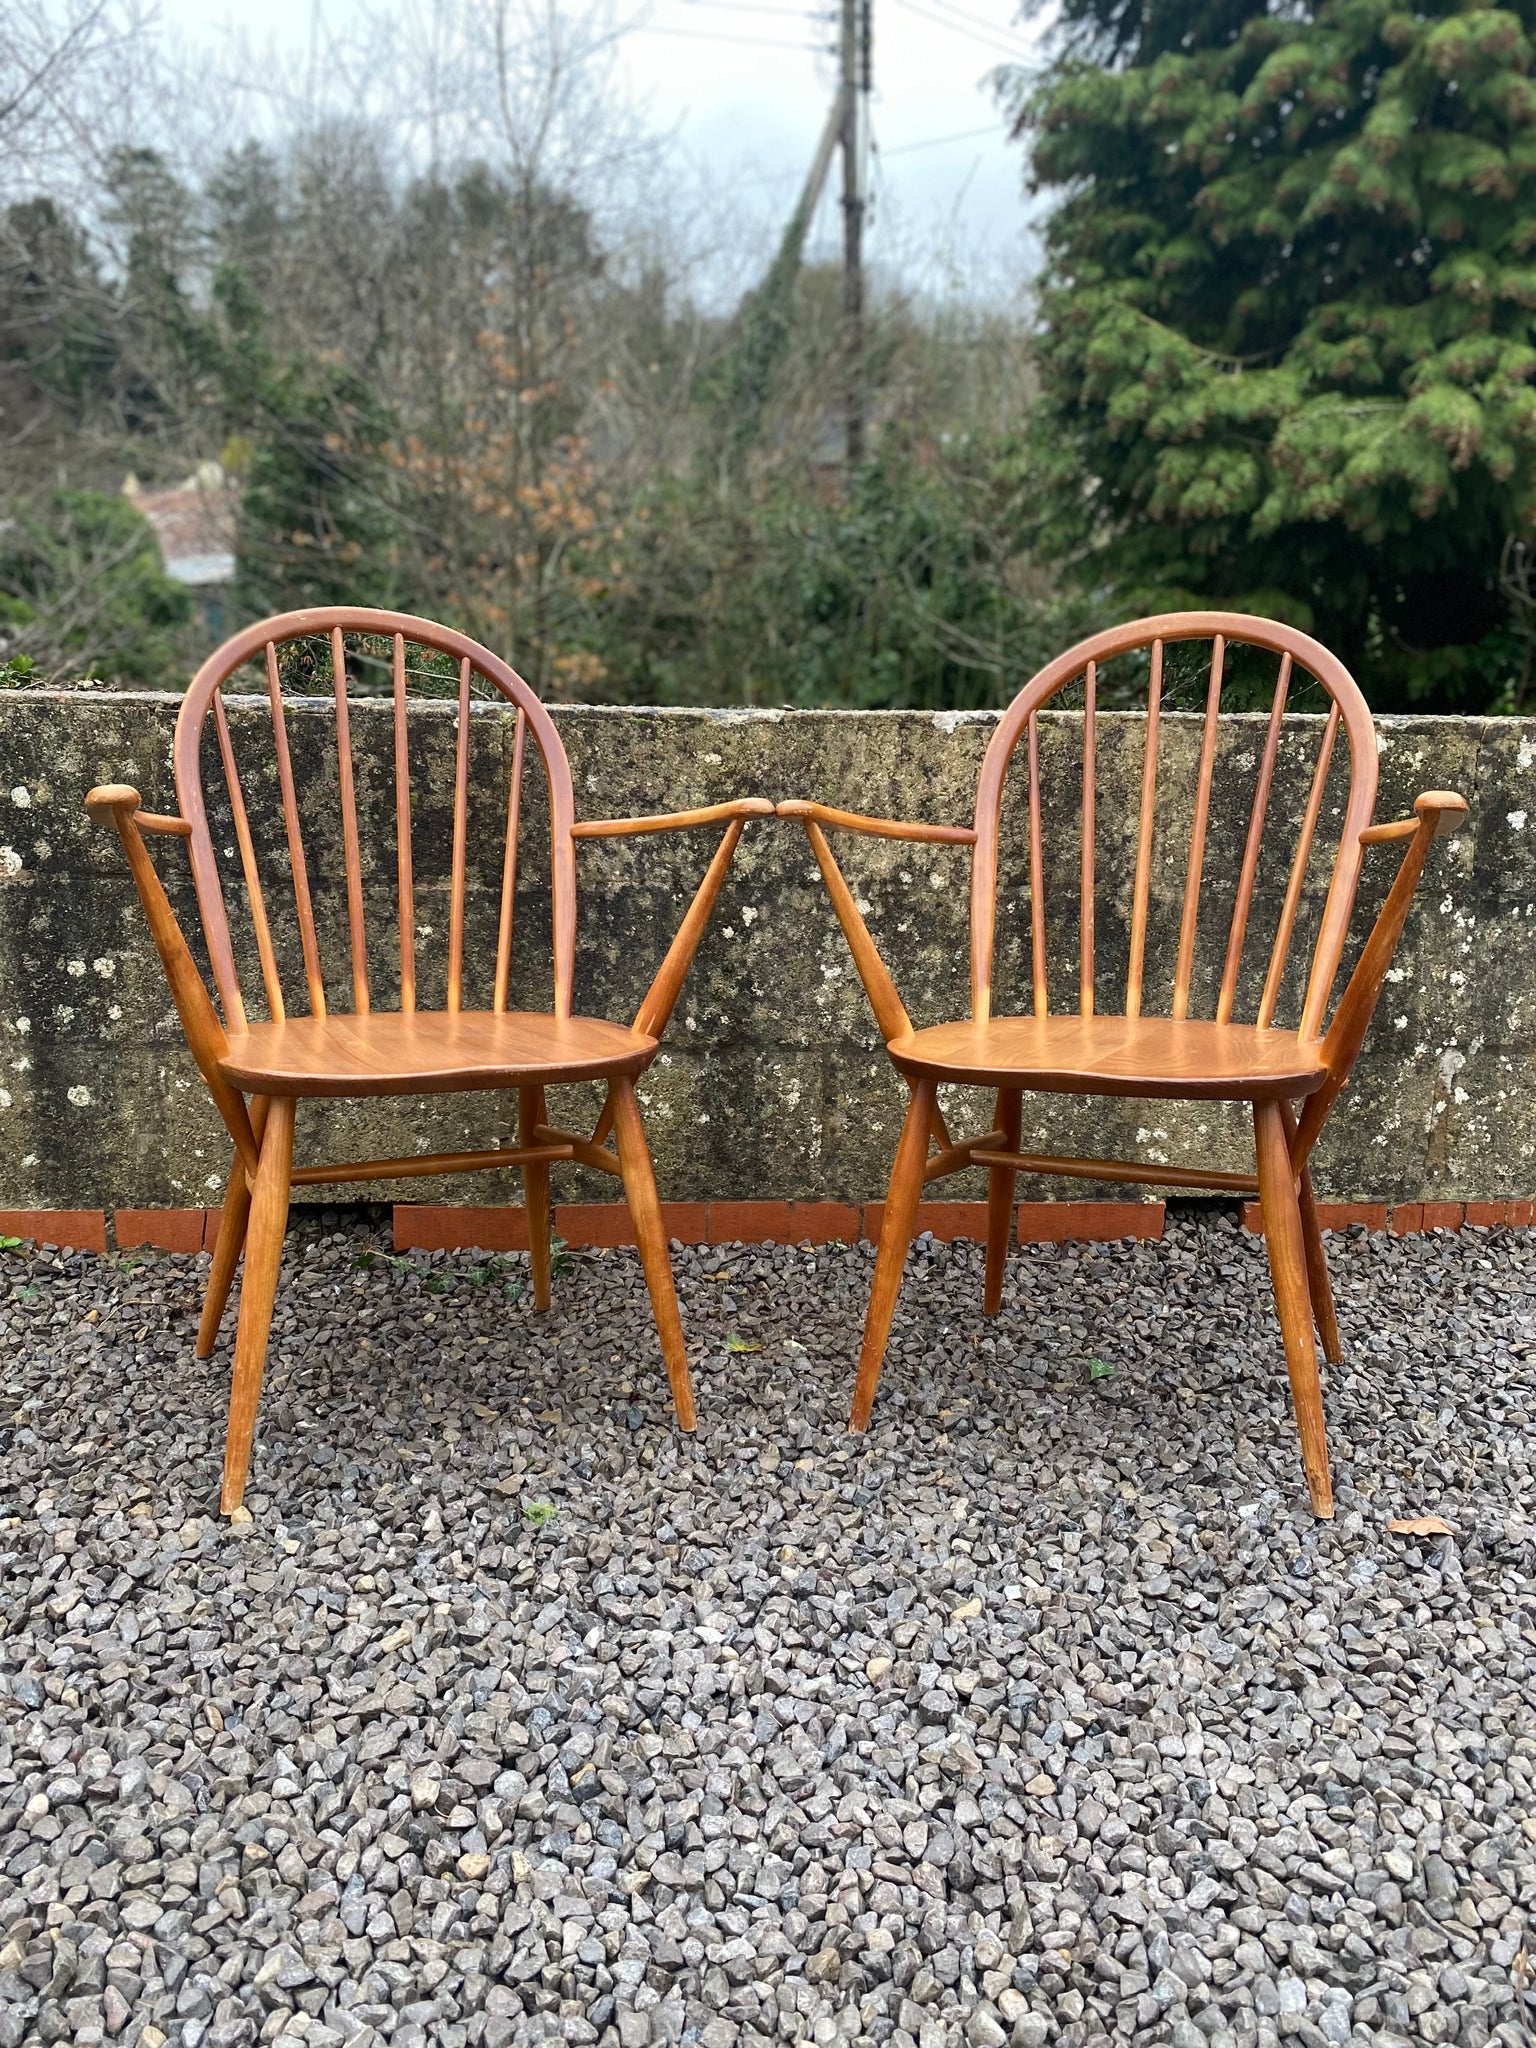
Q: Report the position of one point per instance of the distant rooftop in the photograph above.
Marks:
(194, 523)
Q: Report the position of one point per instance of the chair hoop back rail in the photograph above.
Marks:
(257, 1071)
(1179, 1056)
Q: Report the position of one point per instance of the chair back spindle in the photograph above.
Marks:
(1085, 665)
(473, 668)
(351, 853)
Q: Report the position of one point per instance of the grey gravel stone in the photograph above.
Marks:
(1043, 1713)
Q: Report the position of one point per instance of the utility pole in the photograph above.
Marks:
(857, 63)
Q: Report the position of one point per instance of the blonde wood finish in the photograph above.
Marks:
(674, 821)
(1283, 1240)
(1176, 1057)
(583, 1150)
(655, 1013)
(955, 1158)
(234, 1219)
(876, 828)
(1251, 849)
(1149, 1056)
(1319, 1286)
(1437, 813)
(1146, 825)
(117, 804)
(982, 998)
(1269, 1001)
(409, 1052)
(1196, 869)
(421, 1165)
(228, 1246)
(258, 1292)
(872, 970)
(404, 879)
(351, 852)
(505, 924)
(1090, 772)
(1130, 1172)
(305, 908)
(530, 1115)
(429, 1053)
(645, 1212)
(271, 980)
(891, 1256)
(1000, 1185)
(460, 848)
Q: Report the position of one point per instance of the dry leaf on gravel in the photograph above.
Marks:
(1420, 1525)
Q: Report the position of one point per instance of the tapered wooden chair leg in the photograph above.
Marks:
(530, 1114)
(233, 1220)
(1286, 1245)
(263, 1259)
(645, 1210)
(1319, 1285)
(895, 1235)
(1000, 1186)
(236, 1214)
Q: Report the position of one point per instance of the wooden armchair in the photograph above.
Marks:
(1134, 1054)
(258, 1070)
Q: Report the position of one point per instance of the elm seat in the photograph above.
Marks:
(1185, 1059)
(431, 1052)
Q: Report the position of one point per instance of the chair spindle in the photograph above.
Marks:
(1298, 876)
(1250, 866)
(460, 842)
(1036, 875)
(1144, 838)
(1090, 745)
(1191, 917)
(271, 981)
(403, 838)
(351, 851)
(302, 903)
(509, 870)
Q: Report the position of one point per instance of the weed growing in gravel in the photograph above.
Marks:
(539, 1513)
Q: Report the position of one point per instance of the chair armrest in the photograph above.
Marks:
(1437, 813)
(1439, 810)
(673, 821)
(107, 803)
(114, 803)
(877, 828)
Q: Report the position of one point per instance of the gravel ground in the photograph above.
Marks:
(1045, 1713)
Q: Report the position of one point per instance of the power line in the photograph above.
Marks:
(959, 28)
(716, 35)
(977, 21)
(936, 141)
(749, 7)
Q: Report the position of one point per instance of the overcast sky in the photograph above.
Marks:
(744, 88)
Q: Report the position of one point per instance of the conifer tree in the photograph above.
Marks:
(1288, 321)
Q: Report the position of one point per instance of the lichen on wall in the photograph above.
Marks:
(772, 1081)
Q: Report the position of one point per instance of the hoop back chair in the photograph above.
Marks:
(259, 1069)
(1178, 1056)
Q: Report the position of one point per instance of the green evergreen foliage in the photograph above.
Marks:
(81, 573)
(1288, 323)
